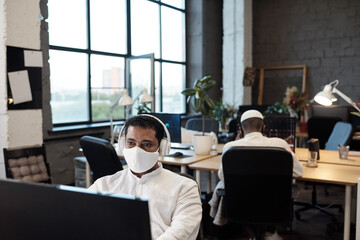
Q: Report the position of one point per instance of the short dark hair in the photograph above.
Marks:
(252, 124)
(146, 122)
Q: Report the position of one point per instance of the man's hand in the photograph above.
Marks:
(239, 134)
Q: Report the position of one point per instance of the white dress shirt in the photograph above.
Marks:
(174, 201)
(257, 139)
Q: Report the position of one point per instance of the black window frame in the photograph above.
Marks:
(89, 52)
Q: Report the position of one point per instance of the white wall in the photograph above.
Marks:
(19, 27)
(25, 128)
(237, 50)
(3, 94)
(23, 23)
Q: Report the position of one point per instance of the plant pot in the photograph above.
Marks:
(303, 127)
(202, 144)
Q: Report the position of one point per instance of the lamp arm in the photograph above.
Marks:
(346, 98)
(137, 97)
(115, 103)
(111, 128)
(111, 119)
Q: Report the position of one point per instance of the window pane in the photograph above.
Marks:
(67, 23)
(173, 34)
(176, 3)
(107, 77)
(108, 26)
(140, 77)
(145, 28)
(68, 76)
(173, 83)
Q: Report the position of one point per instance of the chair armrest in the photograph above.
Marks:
(221, 192)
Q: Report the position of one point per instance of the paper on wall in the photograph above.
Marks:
(20, 86)
(33, 58)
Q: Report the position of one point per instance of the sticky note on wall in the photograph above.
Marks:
(20, 86)
(33, 58)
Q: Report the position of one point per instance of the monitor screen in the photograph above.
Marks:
(39, 211)
(173, 123)
(281, 127)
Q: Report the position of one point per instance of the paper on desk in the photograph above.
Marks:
(33, 58)
(20, 86)
(354, 153)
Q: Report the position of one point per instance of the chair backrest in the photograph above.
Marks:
(211, 125)
(258, 182)
(27, 164)
(101, 156)
(340, 135)
(233, 125)
(320, 128)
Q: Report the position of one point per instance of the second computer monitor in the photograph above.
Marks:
(173, 123)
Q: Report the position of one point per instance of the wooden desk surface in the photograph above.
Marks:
(185, 160)
(332, 173)
(210, 164)
(325, 172)
(328, 156)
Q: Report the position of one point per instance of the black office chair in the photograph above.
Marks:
(211, 125)
(27, 164)
(258, 184)
(101, 156)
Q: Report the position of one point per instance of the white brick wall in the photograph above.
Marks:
(19, 27)
(237, 50)
(23, 23)
(25, 128)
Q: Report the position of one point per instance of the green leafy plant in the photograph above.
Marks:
(222, 112)
(277, 107)
(142, 108)
(199, 99)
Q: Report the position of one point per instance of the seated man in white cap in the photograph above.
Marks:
(250, 134)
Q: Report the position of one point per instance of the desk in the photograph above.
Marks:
(325, 172)
(185, 161)
(328, 156)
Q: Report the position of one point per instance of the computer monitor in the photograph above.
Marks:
(281, 127)
(173, 123)
(39, 211)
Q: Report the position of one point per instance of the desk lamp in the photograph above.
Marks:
(124, 100)
(325, 97)
(145, 98)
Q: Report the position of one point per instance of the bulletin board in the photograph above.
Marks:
(262, 73)
(16, 64)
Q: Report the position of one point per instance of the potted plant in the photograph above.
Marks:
(142, 108)
(201, 103)
(222, 113)
(296, 103)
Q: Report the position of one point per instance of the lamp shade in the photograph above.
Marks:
(125, 100)
(146, 98)
(325, 96)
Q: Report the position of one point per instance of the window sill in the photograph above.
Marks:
(83, 127)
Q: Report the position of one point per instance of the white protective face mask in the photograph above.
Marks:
(139, 160)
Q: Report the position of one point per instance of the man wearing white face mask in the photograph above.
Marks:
(174, 201)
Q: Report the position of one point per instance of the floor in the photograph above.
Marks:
(313, 225)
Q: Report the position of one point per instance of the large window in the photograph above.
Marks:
(90, 41)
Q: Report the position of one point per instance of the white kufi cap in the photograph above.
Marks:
(251, 114)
